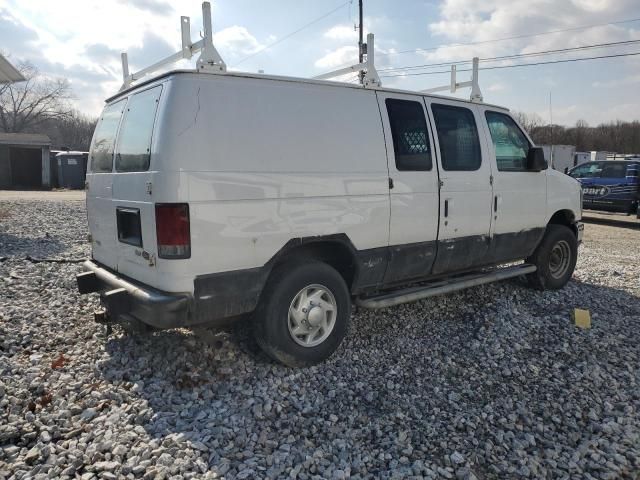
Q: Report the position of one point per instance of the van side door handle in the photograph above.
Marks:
(446, 208)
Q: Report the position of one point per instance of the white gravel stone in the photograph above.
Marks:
(491, 382)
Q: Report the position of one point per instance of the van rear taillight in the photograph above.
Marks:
(172, 230)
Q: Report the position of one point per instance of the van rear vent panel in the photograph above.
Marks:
(129, 230)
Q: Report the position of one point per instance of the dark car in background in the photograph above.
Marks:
(610, 185)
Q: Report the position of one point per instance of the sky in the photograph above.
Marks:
(82, 40)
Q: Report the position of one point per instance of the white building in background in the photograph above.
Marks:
(599, 155)
(560, 157)
(582, 157)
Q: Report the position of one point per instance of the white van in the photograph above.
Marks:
(214, 196)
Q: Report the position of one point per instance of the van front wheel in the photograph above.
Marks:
(555, 258)
(303, 314)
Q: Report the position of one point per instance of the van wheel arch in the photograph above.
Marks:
(566, 218)
(338, 253)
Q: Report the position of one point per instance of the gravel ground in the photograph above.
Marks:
(492, 382)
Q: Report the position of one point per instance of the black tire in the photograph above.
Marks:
(555, 258)
(271, 319)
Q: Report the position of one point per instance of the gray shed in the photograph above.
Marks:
(24, 161)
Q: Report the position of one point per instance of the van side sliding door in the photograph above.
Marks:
(465, 191)
(413, 182)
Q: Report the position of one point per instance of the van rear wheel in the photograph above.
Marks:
(555, 258)
(304, 313)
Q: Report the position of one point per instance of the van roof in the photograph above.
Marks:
(290, 79)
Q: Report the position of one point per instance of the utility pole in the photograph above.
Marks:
(361, 45)
(551, 161)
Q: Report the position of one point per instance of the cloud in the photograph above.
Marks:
(16, 38)
(469, 21)
(99, 52)
(341, 32)
(158, 7)
(618, 82)
(153, 48)
(236, 40)
(496, 87)
(344, 55)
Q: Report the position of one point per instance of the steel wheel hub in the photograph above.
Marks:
(559, 259)
(312, 315)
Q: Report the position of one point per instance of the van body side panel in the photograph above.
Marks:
(262, 162)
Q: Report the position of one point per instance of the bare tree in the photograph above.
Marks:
(618, 136)
(73, 132)
(26, 105)
(529, 121)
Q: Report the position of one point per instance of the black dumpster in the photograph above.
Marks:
(71, 169)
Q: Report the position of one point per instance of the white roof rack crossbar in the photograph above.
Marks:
(476, 94)
(209, 60)
(370, 78)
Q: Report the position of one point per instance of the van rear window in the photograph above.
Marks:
(101, 156)
(134, 140)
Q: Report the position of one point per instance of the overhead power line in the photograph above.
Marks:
(514, 56)
(514, 37)
(291, 34)
(498, 67)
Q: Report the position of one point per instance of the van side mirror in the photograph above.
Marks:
(535, 160)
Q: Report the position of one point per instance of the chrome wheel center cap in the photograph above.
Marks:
(315, 316)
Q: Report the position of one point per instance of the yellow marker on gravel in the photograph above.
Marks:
(582, 318)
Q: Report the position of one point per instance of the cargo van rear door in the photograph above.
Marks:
(102, 225)
(132, 205)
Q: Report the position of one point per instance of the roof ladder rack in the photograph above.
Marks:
(476, 95)
(209, 60)
(370, 78)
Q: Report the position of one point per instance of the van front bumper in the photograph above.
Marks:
(123, 297)
(579, 231)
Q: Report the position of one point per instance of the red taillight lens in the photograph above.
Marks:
(172, 230)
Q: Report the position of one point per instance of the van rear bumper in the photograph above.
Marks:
(123, 297)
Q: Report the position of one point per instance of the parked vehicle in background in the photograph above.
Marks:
(610, 185)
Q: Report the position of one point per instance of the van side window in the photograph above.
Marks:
(101, 156)
(134, 140)
(587, 170)
(458, 138)
(409, 132)
(510, 144)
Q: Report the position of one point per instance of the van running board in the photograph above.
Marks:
(413, 294)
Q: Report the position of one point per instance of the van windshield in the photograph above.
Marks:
(101, 155)
(134, 140)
